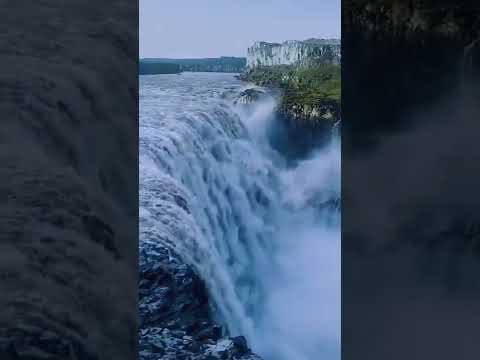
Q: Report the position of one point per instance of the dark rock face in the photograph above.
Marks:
(404, 55)
(167, 289)
(324, 113)
(298, 129)
(68, 148)
(175, 313)
(296, 140)
(455, 20)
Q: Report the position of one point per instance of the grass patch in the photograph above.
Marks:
(303, 86)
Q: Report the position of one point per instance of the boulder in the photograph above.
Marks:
(249, 96)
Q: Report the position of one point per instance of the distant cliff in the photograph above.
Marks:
(222, 64)
(302, 53)
(150, 68)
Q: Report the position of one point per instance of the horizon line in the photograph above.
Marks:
(239, 56)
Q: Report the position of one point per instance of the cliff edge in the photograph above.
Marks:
(299, 53)
(307, 74)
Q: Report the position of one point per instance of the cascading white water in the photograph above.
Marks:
(257, 232)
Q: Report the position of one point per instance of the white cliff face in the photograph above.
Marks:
(294, 53)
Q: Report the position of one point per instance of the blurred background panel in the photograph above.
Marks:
(410, 202)
(69, 203)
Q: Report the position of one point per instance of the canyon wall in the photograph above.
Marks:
(308, 52)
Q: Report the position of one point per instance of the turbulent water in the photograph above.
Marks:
(263, 235)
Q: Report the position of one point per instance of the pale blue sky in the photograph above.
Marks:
(211, 28)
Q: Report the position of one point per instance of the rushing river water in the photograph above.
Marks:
(263, 235)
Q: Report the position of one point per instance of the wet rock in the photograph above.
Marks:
(176, 316)
(249, 96)
(241, 344)
(325, 112)
(214, 333)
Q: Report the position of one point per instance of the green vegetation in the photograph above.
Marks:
(309, 86)
(309, 94)
(150, 68)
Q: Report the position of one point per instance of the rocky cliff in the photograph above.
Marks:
(409, 20)
(176, 318)
(404, 54)
(307, 74)
(308, 52)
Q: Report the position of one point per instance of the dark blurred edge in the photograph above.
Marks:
(69, 186)
(410, 175)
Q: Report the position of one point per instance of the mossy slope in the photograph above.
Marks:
(309, 94)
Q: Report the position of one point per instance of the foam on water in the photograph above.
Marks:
(258, 233)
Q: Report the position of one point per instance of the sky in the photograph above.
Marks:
(212, 28)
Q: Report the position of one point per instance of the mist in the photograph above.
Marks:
(301, 315)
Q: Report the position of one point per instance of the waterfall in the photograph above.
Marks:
(264, 237)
